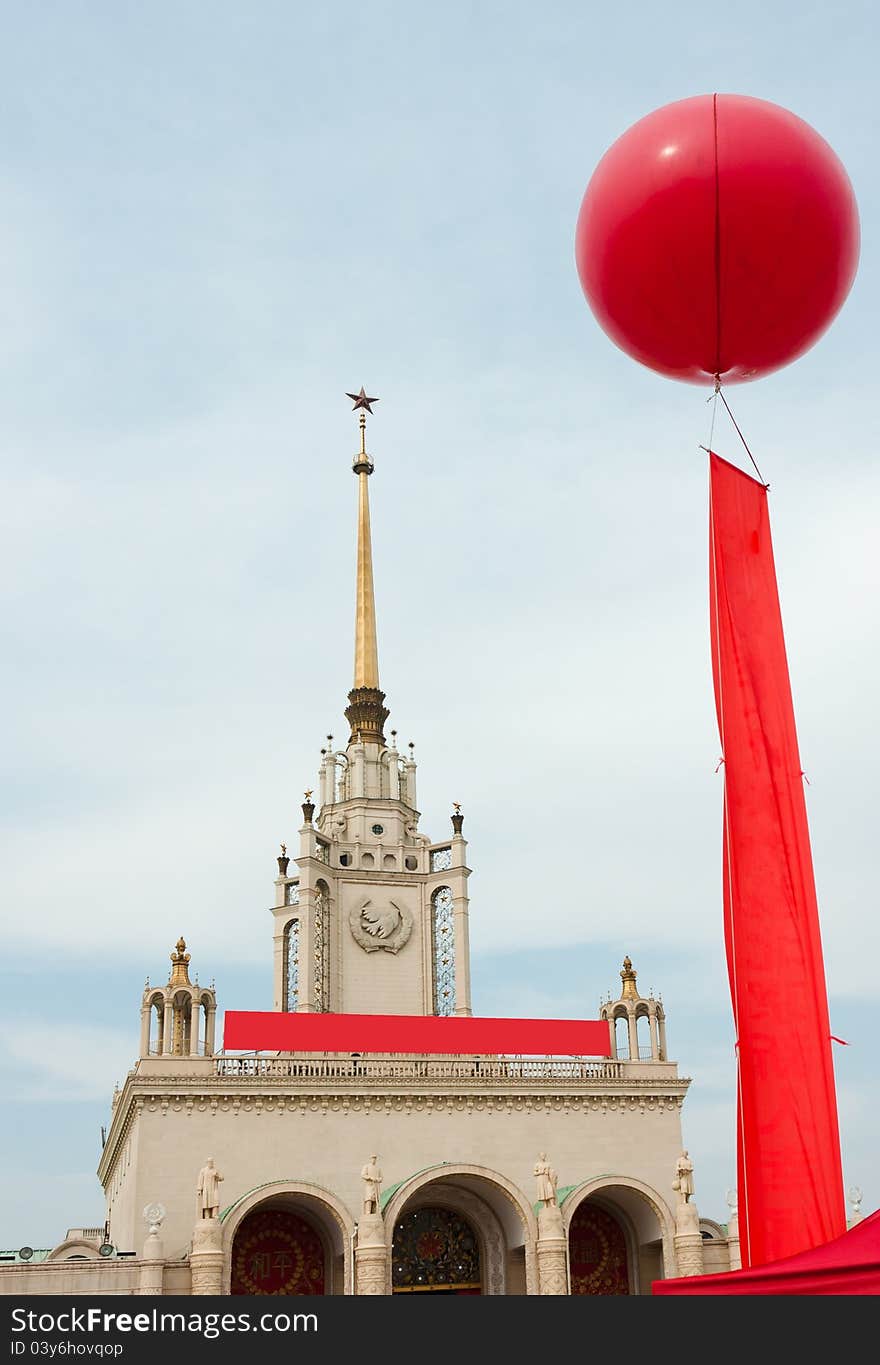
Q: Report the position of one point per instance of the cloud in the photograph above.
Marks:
(63, 1064)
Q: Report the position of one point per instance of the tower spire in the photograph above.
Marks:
(365, 713)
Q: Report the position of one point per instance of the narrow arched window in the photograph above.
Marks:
(322, 947)
(157, 1025)
(443, 943)
(643, 1032)
(291, 965)
(621, 1038)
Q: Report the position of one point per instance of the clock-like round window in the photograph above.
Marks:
(378, 829)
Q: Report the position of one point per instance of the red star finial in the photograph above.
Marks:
(362, 401)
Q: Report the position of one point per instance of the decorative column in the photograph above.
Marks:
(371, 1252)
(192, 1037)
(371, 1256)
(633, 1033)
(167, 1045)
(458, 886)
(206, 1257)
(552, 1251)
(152, 1267)
(655, 1037)
(733, 1250)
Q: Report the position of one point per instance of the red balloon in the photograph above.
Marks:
(718, 235)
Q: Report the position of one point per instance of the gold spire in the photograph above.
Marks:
(628, 977)
(366, 714)
(366, 651)
(179, 965)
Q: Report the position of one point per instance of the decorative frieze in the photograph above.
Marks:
(573, 1105)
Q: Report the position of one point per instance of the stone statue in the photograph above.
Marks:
(372, 1178)
(684, 1178)
(209, 1190)
(546, 1178)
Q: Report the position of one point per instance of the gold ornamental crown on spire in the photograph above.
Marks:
(628, 977)
(365, 713)
(180, 965)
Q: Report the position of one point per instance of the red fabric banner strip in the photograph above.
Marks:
(789, 1173)
(848, 1265)
(258, 1031)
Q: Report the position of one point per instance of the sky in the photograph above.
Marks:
(214, 220)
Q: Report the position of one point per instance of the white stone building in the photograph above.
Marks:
(370, 1174)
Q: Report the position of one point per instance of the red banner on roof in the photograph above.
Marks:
(789, 1175)
(264, 1031)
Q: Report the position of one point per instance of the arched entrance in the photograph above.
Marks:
(435, 1251)
(277, 1251)
(597, 1252)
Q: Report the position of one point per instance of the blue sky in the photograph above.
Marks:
(215, 219)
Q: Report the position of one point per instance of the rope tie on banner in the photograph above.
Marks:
(806, 779)
(720, 764)
(842, 1041)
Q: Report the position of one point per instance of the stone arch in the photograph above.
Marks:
(710, 1231)
(332, 1218)
(604, 1187)
(74, 1249)
(506, 1202)
(480, 1218)
(154, 1043)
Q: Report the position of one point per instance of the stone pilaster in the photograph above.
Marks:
(733, 1241)
(552, 1252)
(688, 1242)
(371, 1255)
(206, 1257)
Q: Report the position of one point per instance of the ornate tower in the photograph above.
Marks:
(178, 1019)
(638, 1023)
(373, 916)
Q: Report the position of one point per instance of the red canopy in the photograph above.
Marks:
(848, 1265)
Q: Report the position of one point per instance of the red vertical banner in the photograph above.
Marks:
(788, 1146)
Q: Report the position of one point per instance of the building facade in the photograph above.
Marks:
(365, 1174)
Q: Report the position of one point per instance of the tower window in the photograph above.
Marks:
(291, 893)
(291, 965)
(411, 862)
(344, 859)
(322, 947)
(441, 859)
(378, 829)
(443, 943)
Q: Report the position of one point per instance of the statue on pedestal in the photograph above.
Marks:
(547, 1180)
(684, 1178)
(209, 1190)
(372, 1178)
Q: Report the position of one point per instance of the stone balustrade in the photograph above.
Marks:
(409, 1070)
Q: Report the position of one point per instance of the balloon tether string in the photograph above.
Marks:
(713, 397)
(741, 437)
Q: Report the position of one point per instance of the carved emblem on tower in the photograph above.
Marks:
(377, 923)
